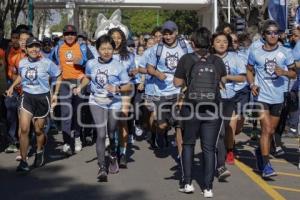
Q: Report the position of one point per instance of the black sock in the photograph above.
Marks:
(265, 160)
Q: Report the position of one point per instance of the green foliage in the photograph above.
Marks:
(143, 21)
(187, 21)
(63, 21)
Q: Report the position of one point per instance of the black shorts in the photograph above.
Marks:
(165, 110)
(274, 109)
(38, 105)
(241, 98)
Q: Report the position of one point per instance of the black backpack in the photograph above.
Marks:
(202, 81)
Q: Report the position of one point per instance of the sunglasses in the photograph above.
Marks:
(70, 33)
(34, 45)
(272, 32)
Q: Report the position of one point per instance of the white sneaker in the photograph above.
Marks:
(78, 144)
(66, 148)
(208, 193)
(138, 131)
(188, 188)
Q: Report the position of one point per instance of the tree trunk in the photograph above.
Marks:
(15, 8)
(4, 9)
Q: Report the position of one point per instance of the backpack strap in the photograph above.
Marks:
(159, 50)
(183, 45)
(188, 77)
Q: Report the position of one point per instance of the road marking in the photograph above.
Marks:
(272, 160)
(259, 181)
(288, 174)
(285, 188)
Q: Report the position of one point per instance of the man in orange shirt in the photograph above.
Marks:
(71, 57)
(13, 49)
(11, 103)
(2, 86)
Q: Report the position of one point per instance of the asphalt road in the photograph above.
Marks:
(151, 175)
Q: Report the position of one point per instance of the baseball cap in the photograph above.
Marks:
(83, 35)
(169, 25)
(47, 40)
(69, 29)
(32, 40)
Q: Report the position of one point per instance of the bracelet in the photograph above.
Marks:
(251, 85)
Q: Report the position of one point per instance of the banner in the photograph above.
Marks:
(277, 12)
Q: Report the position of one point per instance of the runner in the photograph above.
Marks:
(122, 54)
(108, 79)
(272, 66)
(34, 73)
(162, 63)
(71, 57)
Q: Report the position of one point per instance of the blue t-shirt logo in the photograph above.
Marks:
(31, 74)
(270, 66)
(101, 78)
(171, 60)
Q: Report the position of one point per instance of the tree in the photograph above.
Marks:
(253, 13)
(4, 9)
(63, 21)
(41, 17)
(186, 20)
(15, 7)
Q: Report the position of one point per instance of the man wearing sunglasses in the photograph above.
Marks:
(269, 68)
(71, 56)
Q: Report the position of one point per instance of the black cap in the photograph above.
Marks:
(170, 26)
(69, 29)
(83, 35)
(32, 40)
(47, 40)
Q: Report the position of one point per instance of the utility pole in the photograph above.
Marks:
(30, 14)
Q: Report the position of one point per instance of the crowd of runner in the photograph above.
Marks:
(115, 89)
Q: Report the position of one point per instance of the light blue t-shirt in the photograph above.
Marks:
(296, 55)
(243, 60)
(102, 74)
(94, 51)
(271, 86)
(36, 75)
(167, 64)
(128, 64)
(149, 88)
(233, 67)
(257, 44)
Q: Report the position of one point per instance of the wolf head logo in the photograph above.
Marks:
(101, 78)
(31, 74)
(172, 60)
(270, 66)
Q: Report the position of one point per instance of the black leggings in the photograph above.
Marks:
(105, 122)
(209, 131)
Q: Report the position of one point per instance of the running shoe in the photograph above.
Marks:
(23, 167)
(78, 144)
(113, 165)
(187, 188)
(230, 158)
(102, 174)
(223, 173)
(123, 161)
(268, 171)
(39, 159)
(207, 193)
(11, 149)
